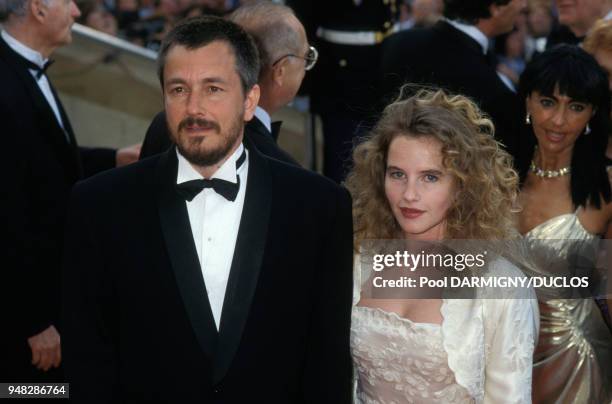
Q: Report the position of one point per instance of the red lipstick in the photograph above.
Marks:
(411, 213)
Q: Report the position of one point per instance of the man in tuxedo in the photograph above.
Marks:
(41, 163)
(285, 57)
(209, 273)
(454, 54)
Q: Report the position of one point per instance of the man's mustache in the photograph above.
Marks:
(202, 123)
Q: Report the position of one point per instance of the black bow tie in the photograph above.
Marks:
(39, 70)
(31, 65)
(229, 190)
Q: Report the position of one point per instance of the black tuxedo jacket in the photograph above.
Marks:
(138, 324)
(157, 140)
(443, 56)
(41, 162)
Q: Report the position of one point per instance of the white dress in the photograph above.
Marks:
(399, 361)
(481, 353)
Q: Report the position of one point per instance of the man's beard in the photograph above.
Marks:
(190, 147)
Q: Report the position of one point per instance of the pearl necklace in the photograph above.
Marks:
(540, 172)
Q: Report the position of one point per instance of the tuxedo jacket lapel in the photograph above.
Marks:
(67, 130)
(256, 126)
(276, 126)
(56, 135)
(461, 40)
(176, 229)
(247, 260)
(64, 116)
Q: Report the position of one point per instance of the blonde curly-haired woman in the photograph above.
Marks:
(429, 171)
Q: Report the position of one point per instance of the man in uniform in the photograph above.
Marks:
(344, 86)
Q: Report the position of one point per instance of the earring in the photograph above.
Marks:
(587, 130)
(527, 119)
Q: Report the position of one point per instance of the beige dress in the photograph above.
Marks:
(481, 353)
(573, 359)
(399, 361)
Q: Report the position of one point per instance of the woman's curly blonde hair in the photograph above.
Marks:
(486, 184)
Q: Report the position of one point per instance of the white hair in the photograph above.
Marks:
(12, 7)
(269, 25)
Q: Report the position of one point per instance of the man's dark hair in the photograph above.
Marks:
(470, 11)
(197, 32)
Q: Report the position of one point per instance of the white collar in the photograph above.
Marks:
(25, 51)
(226, 172)
(473, 32)
(264, 117)
(608, 16)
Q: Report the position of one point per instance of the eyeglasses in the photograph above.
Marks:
(311, 57)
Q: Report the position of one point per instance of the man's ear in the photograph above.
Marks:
(279, 71)
(250, 102)
(39, 10)
(494, 9)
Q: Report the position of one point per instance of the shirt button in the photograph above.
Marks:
(387, 25)
(342, 62)
(210, 239)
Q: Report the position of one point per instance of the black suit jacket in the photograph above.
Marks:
(445, 57)
(561, 34)
(138, 325)
(157, 140)
(41, 162)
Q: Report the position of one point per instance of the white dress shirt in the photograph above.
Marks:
(473, 32)
(214, 224)
(264, 117)
(36, 58)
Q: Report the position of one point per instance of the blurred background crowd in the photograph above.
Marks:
(345, 88)
(541, 24)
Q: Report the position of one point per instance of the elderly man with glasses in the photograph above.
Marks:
(285, 58)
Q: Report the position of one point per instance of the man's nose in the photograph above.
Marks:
(194, 104)
(74, 10)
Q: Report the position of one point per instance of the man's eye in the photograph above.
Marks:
(177, 90)
(214, 89)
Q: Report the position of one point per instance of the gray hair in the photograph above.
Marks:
(269, 24)
(12, 7)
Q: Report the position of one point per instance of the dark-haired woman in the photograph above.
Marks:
(566, 203)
